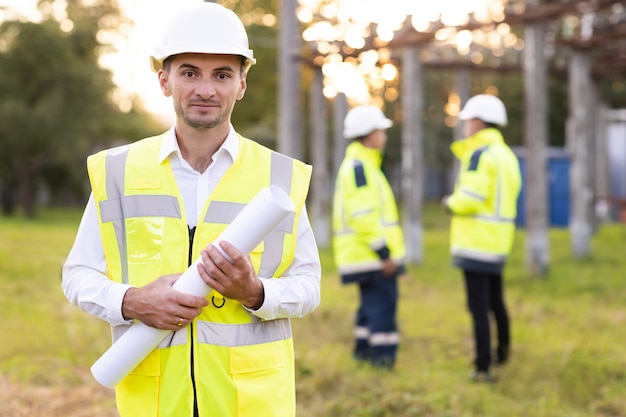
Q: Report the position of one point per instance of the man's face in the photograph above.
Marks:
(203, 87)
(377, 139)
(472, 126)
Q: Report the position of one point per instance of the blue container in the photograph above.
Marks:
(558, 187)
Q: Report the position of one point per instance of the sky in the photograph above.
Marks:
(130, 66)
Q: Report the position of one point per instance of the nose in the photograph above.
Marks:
(205, 88)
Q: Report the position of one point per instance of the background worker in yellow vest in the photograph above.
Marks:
(368, 243)
(483, 208)
(158, 203)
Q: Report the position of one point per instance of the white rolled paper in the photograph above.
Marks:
(264, 212)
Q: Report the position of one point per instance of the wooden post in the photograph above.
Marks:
(462, 86)
(320, 200)
(340, 109)
(289, 107)
(536, 137)
(463, 89)
(412, 153)
(602, 163)
(580, 125)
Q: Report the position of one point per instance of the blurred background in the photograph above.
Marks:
(75, 78)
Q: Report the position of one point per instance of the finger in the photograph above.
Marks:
(171, 278)
(221, 264)
(208, 262)
(231, 251)
(191, 304)
(180, 322)
(189, 312)
(204, 273)
(210, 273)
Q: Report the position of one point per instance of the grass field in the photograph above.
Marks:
(569, 335)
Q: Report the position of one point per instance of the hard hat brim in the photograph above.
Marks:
(157, 64)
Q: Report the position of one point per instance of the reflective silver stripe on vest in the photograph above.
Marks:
(179, 337)
(119, 207)
(223, 212)
(496, 219)
(247, 334)
(220, 334)
(232, 335)
(478, 255)
(473, 195)
(362, 212)
(281, 176)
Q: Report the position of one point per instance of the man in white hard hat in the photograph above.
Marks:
(368, 243)
(155, 206)
(483, 208)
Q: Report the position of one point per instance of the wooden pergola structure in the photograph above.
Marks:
(584, 40)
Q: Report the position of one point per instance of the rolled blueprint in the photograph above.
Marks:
(264, 212)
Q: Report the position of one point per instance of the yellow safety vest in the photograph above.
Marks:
(242, 365)
(484, 201)
(365, 215)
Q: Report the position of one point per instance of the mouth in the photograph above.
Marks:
(204, 106)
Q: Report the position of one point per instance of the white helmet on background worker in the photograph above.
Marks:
(362, 120)
(205, 28)
(485, 107)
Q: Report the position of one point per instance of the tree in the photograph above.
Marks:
(56, 105)
(256, 115)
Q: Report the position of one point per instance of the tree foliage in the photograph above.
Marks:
(256, 115)
(56, 105)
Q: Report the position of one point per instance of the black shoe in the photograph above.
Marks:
(482, 376)
(502, 355)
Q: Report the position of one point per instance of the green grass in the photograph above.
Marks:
(569, 337)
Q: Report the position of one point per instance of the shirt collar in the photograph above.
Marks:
(170, 147)
(479, 139)
(357, 150)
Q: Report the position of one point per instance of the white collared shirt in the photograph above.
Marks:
(86, 284)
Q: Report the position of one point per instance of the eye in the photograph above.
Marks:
(188, 74)
(223, 76)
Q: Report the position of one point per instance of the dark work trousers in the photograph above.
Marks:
(376, 335)
(484, 294)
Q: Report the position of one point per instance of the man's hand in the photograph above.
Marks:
(236, 280)
(158, 305)
(389, 267)
(444, 205)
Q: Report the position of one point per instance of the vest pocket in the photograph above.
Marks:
(246, 359)
(144, 247)
(138, 393)
(138, 396)
(150, 366)
(264, 379)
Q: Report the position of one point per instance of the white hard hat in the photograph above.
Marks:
(485, 107)
(205, 28)
(362, 120)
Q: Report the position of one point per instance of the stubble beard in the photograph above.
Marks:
(202, 122)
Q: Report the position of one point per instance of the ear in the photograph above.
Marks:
(164, 83)
(242, 87)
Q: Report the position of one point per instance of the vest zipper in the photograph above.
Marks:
(192, 232)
